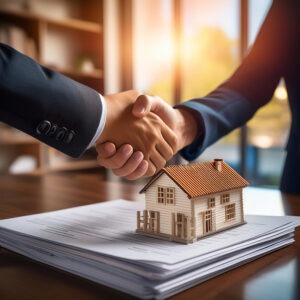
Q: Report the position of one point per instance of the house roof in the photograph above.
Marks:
(204, 178)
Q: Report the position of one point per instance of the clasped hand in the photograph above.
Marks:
(151, 140)
(142, 134)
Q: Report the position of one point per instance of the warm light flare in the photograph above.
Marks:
(281, 93)
(163, 50)
(263, 141)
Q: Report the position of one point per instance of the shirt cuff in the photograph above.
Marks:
(101, 122)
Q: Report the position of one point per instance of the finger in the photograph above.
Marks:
(151, 169)
(158, 161)
(139, 172)
(118, 159)
(170, 137)
(131, 165)
(142, 106)
(165, 150)
(106, 150)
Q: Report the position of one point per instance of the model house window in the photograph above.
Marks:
(225, 198)
(166, 195)
(170, 193)
(211, 203)
(230, 212)
(160, 195)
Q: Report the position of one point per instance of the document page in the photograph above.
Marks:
(109, 228)
(98, 242)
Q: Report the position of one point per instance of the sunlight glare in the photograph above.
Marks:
(164, 50)
(263, 141)
(280, 93)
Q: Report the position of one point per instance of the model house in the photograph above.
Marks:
(187, 202)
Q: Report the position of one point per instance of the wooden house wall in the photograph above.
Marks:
(181, 205)
(201, 205)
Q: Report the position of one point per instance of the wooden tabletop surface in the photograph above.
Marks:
(274, 276)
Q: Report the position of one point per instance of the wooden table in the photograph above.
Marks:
(274, 276)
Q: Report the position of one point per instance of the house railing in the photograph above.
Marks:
(148, 221)
(182, 227)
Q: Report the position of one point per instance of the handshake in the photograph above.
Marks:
(142, 133)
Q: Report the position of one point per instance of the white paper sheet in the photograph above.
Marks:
(98, 242)
(109, 228)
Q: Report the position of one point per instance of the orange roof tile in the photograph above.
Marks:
(199, 179)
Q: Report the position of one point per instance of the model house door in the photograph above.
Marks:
(181, 226)
(208, 225)
(153, 221)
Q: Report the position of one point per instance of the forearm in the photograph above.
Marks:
(252, 85)
(32, 94)
(217, 114)
(187, 127)
(270, 56)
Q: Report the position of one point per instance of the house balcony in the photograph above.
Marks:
(148, 221)
(182, 229)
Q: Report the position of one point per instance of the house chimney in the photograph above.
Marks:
(218, 164)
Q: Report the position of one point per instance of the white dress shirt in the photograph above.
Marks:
(101, 122)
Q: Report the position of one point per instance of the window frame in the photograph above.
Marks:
(165, 195)
(224, 198)
(211, 202)
(126, 14)
(230, 212)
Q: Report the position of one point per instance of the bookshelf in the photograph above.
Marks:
(66, 36)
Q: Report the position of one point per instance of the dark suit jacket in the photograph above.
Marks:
(275, 54)
(47, 105)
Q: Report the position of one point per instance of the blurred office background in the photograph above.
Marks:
(177, 49)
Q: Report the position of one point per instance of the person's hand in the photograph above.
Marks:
(124, 162)
(151, 140)
(129, 164)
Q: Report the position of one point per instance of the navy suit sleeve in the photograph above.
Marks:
(218, 113)
(47, 105)
(252, 85)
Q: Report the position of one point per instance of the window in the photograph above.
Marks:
(211, 203)
(170, 195)
(182, 61)
(160, 195)
(268, 130)
(225, 198)
(206, 24)
(166, 195)
(153, 48)
(229, 212)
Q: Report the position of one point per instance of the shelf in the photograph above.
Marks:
(67, 37)
(75, 24)
(66, 23)
(68, 166)
(10, 136)
(96, 74)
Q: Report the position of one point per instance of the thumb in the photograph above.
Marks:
(142, 106)
(145, 104)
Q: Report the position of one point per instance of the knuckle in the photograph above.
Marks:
(169, 155)
(174, 141)
(160, 165)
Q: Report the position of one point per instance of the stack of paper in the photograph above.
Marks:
(98, 242)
